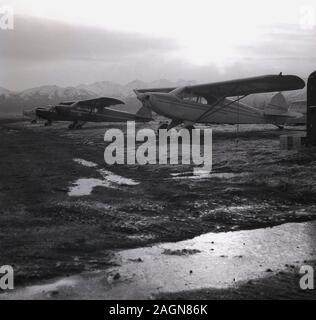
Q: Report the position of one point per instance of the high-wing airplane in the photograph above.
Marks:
(92, 110)
(219, 103)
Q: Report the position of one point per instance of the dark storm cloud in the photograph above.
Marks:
(36, 39)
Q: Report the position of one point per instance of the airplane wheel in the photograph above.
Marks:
(71, 126)
(34, 121)
(47, 124)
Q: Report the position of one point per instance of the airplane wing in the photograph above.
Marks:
(241, 87)
(67, 103)
(238, 87)
(99, 103)
(102, 102)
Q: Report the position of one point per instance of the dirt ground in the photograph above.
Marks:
(45, 233)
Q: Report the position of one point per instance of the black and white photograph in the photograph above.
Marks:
(157, 151)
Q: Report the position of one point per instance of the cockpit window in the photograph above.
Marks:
(190, 97)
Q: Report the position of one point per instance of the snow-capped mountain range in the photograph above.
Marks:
(4, 91)
(52, 94)
(102, 88)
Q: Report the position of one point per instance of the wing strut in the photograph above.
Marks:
(210, 111)
(210, 108)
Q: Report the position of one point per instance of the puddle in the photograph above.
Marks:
(85, 186)
(219, 261)
(86, 163)
(236, 209)
(114, 178)
(51, 287)
(200, 174)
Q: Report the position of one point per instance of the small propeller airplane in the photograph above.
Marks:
(91, 110)
(219, 103)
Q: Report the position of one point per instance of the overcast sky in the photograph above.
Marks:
(72, 42)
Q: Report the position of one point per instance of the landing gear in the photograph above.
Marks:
(76, 125)
(280, 127)
(34, 121)
(163, 126)
(190, 128)
(48, 123)
(73, 125)
(169, 126)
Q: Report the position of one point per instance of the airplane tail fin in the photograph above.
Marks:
(144, 112)
(277, 106)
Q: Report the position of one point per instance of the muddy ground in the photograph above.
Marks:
(45, 233)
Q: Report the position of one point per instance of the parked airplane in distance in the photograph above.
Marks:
(92, 110)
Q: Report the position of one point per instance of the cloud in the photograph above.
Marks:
(41, 51)
(284, 47)
(37, 39)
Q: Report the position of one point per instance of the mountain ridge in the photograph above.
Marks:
(16, 102)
